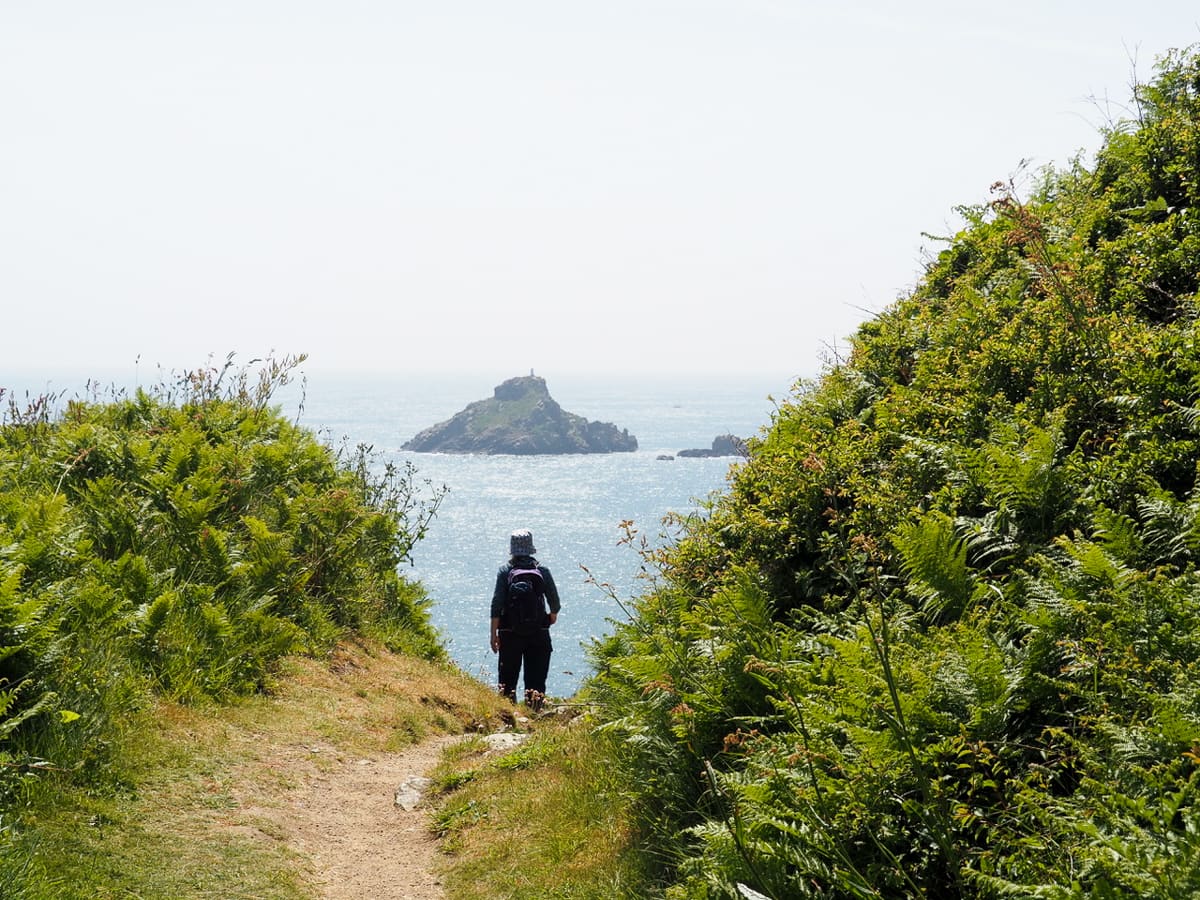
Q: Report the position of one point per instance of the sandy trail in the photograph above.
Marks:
(360, 843)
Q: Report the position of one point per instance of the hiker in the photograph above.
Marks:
(521, 621)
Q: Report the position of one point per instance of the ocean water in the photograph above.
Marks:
(574, 505)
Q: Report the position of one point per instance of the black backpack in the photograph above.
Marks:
(525, 612)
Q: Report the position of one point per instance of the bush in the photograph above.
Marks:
(940, 637)
(180, 541)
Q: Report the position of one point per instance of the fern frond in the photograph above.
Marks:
(934, 558)
(991, 540)
(1169, 529)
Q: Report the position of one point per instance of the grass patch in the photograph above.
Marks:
(503, 412)
(558, 792)
(176, 827)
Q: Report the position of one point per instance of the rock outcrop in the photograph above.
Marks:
(521, 418)
(722, 445)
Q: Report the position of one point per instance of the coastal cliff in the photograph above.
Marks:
(521, 418)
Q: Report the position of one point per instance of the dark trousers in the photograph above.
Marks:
(531, 650)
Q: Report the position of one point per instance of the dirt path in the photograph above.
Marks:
(311, 775)
(360, 843)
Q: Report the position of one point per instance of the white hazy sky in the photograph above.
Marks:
(476, 186)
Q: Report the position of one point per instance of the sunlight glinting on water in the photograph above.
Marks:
(573, 504)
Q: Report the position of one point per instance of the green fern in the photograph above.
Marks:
(934, 558)
(1171, 529)
(1018, 471)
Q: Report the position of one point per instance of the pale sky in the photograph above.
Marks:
(469, 185)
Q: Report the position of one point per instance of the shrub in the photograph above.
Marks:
(940, 637)
(180, 541)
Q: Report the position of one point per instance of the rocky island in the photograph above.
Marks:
(722, 445)
(521, 418)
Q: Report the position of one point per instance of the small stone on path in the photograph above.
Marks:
(411, 790)
(505, 740)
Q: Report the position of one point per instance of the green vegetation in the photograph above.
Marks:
(941, 636)
(174, 545)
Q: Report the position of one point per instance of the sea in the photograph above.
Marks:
(575, 505)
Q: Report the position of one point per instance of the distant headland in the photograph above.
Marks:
(521, 418)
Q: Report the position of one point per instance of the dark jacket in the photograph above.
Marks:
(500, 594)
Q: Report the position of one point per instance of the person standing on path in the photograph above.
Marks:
(525, 604)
